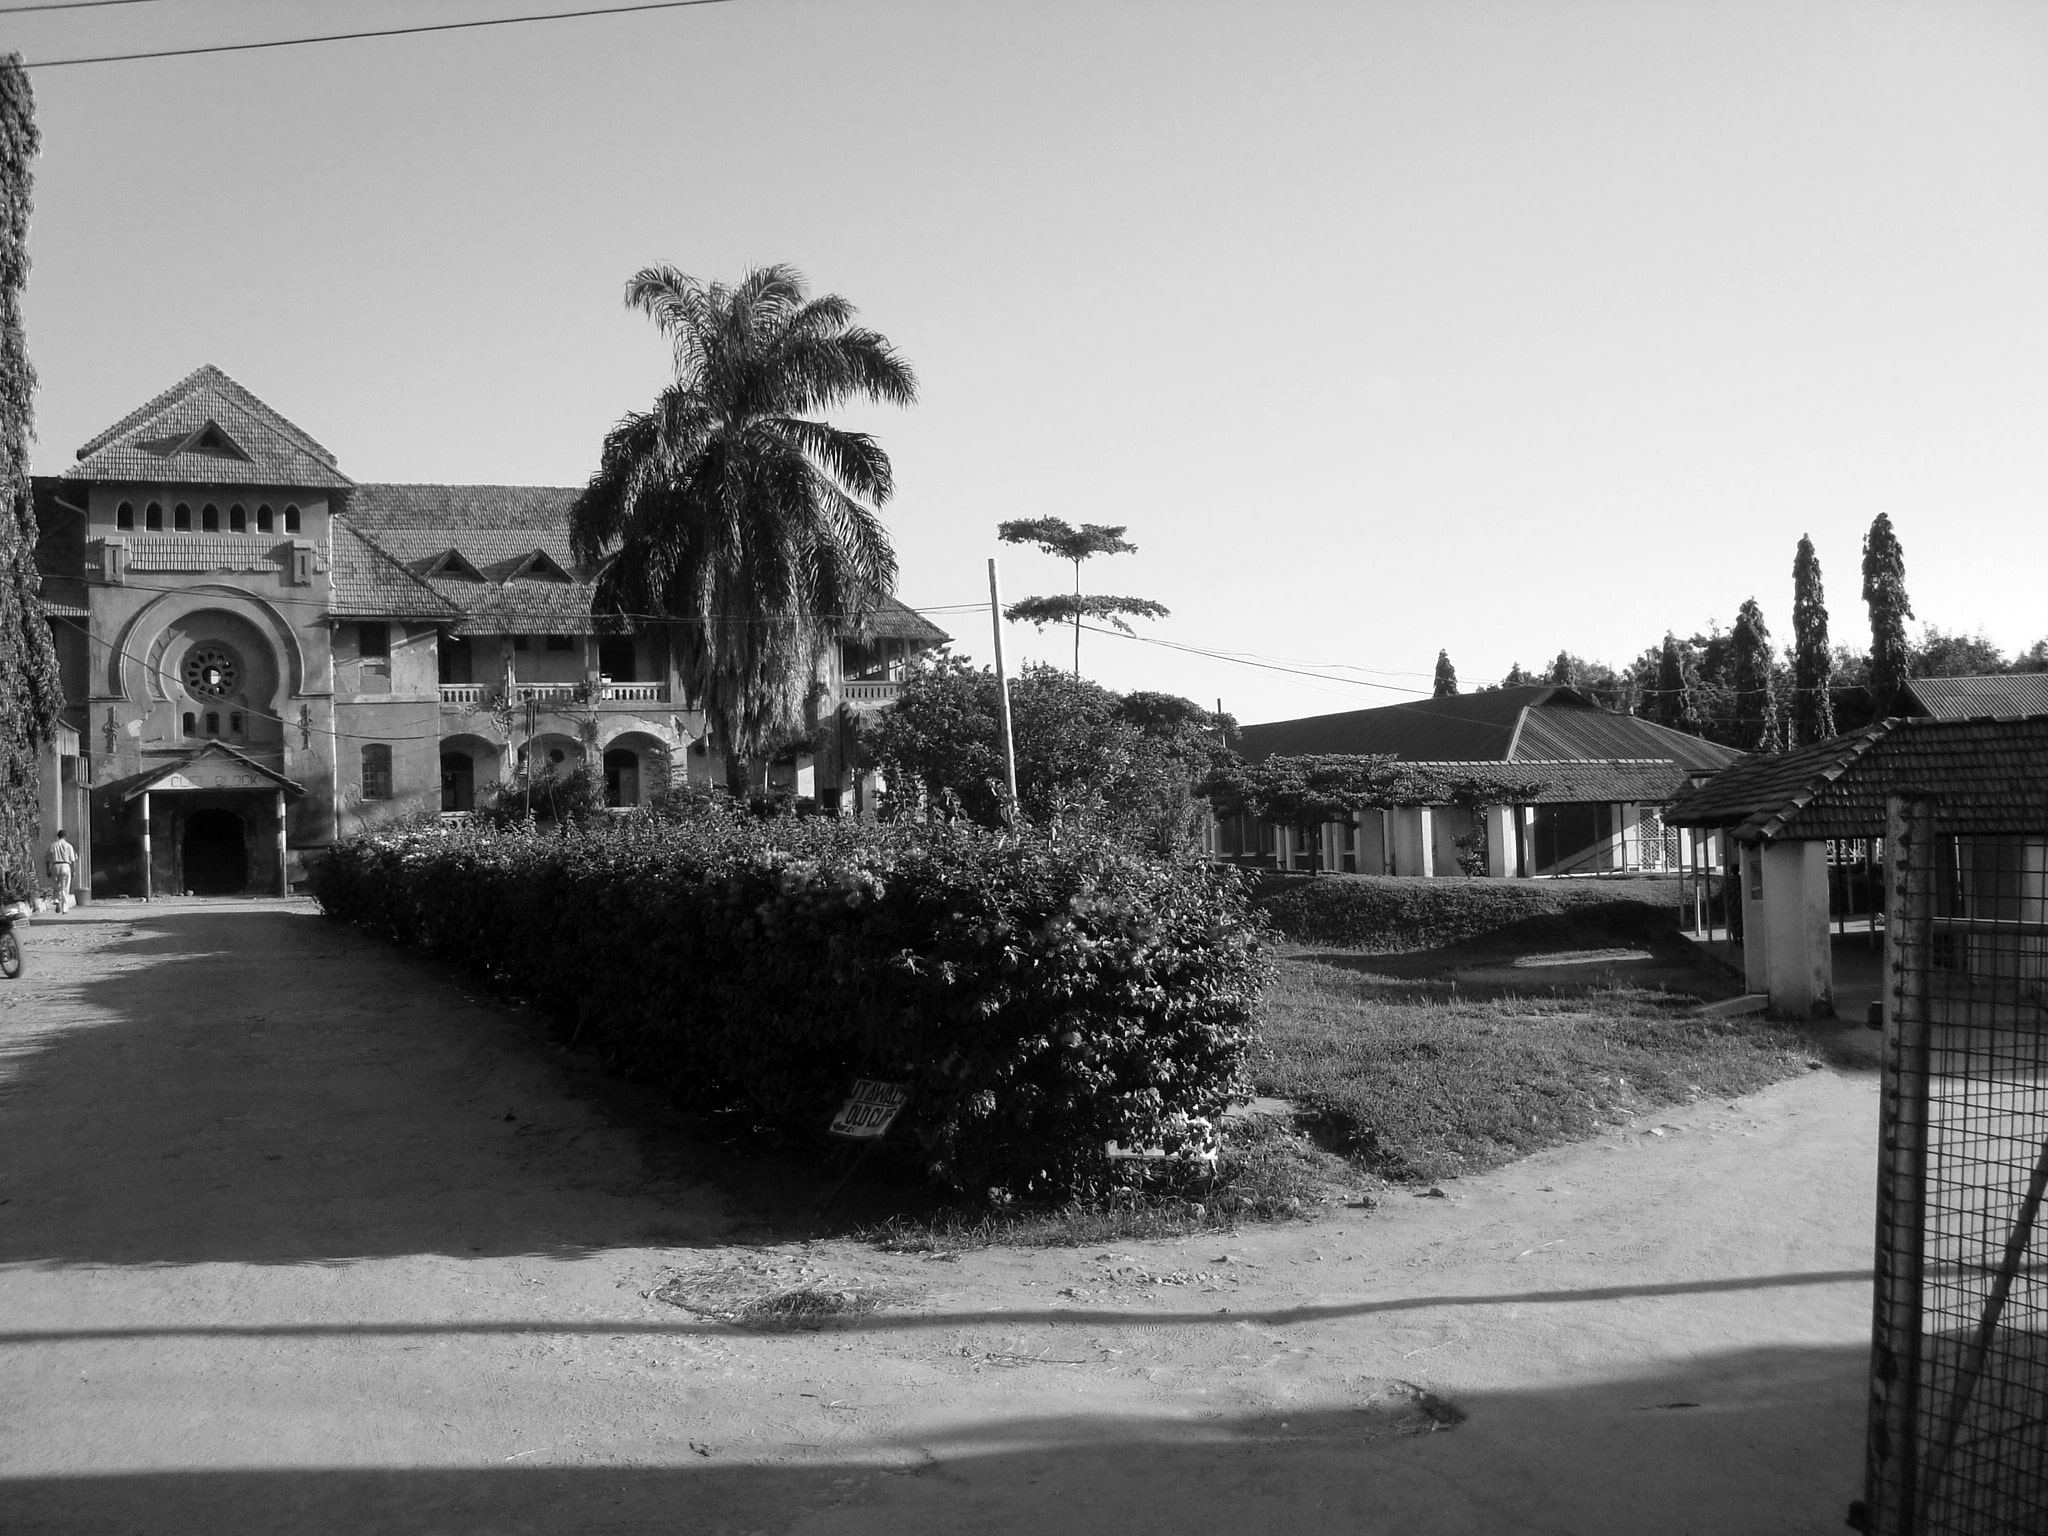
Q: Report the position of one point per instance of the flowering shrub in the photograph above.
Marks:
(1041, 1000)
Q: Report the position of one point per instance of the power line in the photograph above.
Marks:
(69, 5)
(350, 37)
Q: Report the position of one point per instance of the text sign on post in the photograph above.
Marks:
(871, 1109)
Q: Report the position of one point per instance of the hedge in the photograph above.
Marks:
(1041, 1000)
(1386, 914)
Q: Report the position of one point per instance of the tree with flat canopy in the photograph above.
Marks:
(733, 508)
(1058, 537)
(30, 695)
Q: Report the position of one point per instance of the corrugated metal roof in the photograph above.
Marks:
(162, 442)
(1977, 698)
(1987, 775)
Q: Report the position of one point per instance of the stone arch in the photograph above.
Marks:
(636, 765)
(485, 768)
(138, 650)
(539, 754)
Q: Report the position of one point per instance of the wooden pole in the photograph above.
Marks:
(995, 608)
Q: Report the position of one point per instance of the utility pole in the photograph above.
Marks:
(995, 609)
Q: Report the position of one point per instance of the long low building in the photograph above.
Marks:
(1599, 781)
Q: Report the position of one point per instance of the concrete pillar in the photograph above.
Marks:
(1785, 939)
(1525, 852)
(1414, 840)
(1499, 821)
(284, 878)
(1628, 836)
(146, 853)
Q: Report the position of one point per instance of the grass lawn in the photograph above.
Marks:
(1421, 1067)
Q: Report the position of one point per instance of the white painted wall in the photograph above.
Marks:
(1412, 828)
(1785, 942)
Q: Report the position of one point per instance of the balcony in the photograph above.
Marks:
(472, 694)
(636, 693)
(481, 695)
(870, 692)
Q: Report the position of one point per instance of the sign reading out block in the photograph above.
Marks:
(871, 1110)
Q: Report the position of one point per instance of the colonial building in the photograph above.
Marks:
(261, 654)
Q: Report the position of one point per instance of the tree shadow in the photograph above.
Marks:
(272, 1087)
(1755, 1440)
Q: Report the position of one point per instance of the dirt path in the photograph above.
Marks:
(296, 1237)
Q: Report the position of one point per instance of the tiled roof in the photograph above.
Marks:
(891, 620)
(370, 584)
(379, 508)
(1551, 734)
(1975, 698)
(241, 762)
(158, 442)
(205, 552)
(1986, 775)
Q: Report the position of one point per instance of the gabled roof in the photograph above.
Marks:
(1986, 776)
(1552, 735)
(891, 620)
(1977, 698)
(214, 765)
(208, 430)
(370, 584)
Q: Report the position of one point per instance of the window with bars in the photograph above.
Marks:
(376, 771)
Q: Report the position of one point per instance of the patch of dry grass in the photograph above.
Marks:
(1419, 1077)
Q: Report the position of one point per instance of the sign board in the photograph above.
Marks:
(871, 1109)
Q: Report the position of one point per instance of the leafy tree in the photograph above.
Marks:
(733, 506)
(2033, 659)
(1446, 677)
(1125, 762)
(1884, 591)
(1813, 665)
(30, 696)
(1756, 704)
(1673, 702)
(1564, 670)
(1517, 677)
(1941, 653)
(1056, 536)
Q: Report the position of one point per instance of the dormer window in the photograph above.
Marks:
(453, 567)
(539, 566)
(213, 443)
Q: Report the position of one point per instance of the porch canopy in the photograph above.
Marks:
(211, 771)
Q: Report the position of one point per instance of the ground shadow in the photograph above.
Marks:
(268, 1086)
(1757, 1440)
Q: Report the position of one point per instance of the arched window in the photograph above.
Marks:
(124, 516)
(181, 518)
(209, 518)
(153, 519)
(238, 519)
(291, 519)
(376, 771)
(263, 522)
(191, 723)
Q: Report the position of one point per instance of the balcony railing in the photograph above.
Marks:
(465, 693)
(637, 693)
(870, 693)
(479, 694)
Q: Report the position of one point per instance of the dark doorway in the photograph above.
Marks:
(615, 658)
(621, 777)
(216, 854)
(458, 781)
(455, 658)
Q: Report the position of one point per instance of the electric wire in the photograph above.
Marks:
(68, 5)
(369, 32)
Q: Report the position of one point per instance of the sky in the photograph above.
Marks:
(1384, 327)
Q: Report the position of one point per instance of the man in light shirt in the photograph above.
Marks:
(63, 866)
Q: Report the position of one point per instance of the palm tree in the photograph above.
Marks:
(733, 508)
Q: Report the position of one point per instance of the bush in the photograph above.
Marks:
(1041, 1000)
(1385, 914)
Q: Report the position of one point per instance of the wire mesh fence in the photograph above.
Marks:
(1959, 1386)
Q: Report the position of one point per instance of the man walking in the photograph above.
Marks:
(63, 866)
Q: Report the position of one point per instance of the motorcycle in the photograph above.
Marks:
(10, 946)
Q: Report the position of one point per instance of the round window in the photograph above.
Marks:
(211, 669)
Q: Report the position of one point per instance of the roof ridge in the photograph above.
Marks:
(211, 374)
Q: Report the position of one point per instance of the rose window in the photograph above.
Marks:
(210, 669)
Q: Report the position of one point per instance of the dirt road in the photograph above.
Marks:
(296, 1237)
